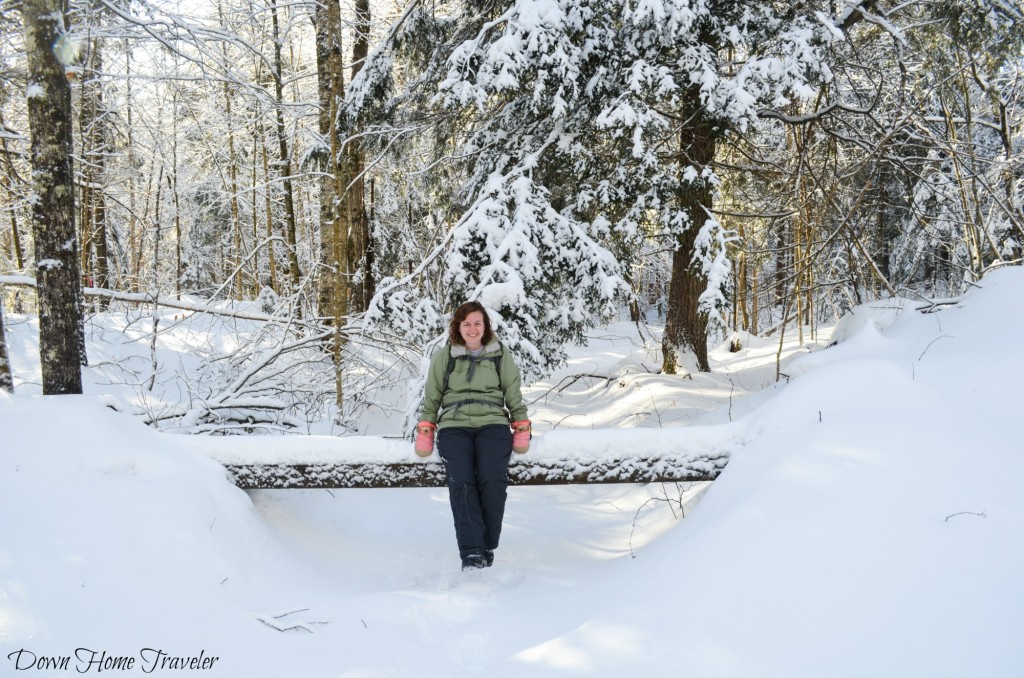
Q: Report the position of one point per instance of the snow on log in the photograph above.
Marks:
(569, 456)
(431, 474)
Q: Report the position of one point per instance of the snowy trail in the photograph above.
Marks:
(386, 567)
(356, 537)
(869, 525)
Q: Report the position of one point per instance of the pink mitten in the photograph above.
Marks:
(425, 438)
(521, 433)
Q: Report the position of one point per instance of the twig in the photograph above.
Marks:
(571, 414)
(944, 336)
(966, 513)
(298, 626)
(568, 381)
(668, 500)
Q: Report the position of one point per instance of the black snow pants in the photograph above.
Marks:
(476, 463)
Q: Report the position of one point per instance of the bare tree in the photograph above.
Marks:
(284, 158)
(93, 127)
(9, 179)
(53, 212)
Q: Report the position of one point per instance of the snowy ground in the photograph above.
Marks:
(871, 523)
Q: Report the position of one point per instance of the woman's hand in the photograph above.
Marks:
(522, 431)
(424, 445)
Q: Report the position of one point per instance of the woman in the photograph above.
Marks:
(472, 393)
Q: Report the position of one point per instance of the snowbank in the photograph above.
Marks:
(869, 523)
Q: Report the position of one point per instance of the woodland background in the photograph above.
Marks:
(346, 174)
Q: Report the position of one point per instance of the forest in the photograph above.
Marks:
(345, 174)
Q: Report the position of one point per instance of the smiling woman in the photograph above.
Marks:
(473, 329)
(472, 398)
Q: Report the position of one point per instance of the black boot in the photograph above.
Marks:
(474, 560)
(489, 557)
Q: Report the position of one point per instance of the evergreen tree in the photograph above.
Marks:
(576, 121)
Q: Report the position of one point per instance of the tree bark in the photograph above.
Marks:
(6, 377)
(94, 153)
(685, 325)
(285, 162)
(359, 244)
(340, 199)
(173, 181)
(53, 212)
(331, 85)
(269, 209)
(235, 256)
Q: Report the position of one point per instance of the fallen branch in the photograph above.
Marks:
(158, 300)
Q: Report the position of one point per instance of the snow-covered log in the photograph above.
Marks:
(525, 471)
(570, 456)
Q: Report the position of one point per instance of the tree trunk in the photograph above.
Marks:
(53, 212)
(95, 150)
(157, 230)
(331, 85)
(238, 256)
(8, 178)
(359, 243)
(685, 325)
(258, 280)
(294, 273)
(272, 263)
(133, 265)
(19, 259)
(173, 181)
(369, 279)
(335, 202)
(6, 377)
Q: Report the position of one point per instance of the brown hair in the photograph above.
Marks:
(455, 337)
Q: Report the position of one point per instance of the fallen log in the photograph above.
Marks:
(576, 456)
(626, 469)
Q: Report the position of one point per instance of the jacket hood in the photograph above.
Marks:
(459, 349)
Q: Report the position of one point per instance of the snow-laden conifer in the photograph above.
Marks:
(582, 124)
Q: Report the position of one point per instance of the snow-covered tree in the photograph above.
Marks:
(967, 193)
(577, 120)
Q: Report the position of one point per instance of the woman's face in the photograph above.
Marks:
(472, 330)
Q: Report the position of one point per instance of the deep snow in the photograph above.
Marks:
(870, 523)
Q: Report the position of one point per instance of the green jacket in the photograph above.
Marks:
(473, 379)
